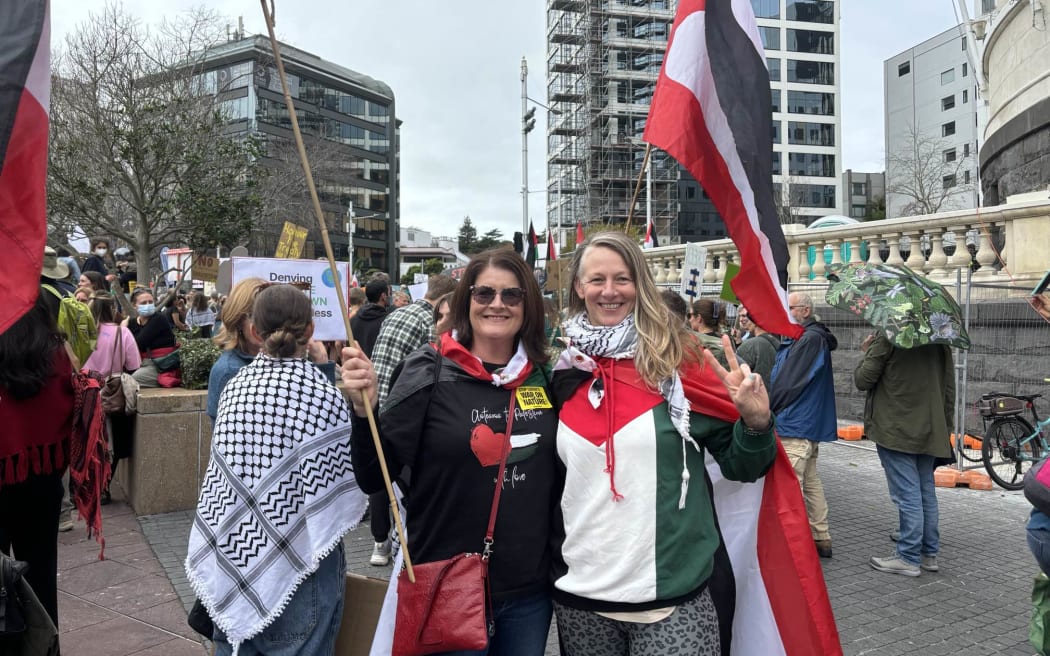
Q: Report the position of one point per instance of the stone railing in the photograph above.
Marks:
(1010, 242)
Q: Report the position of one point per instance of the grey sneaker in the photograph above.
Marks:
(65, 522)
(895, 536)
(380, 554)
(929, 564)
(894, 565)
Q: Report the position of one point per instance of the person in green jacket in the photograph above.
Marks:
(707, 318)
(908, 414)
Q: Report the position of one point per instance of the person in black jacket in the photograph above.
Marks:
(97, 260)
(368, 319)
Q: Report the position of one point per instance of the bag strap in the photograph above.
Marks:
(487, 551)
(119, 344)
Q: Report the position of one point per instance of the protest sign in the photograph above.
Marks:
(328, 324)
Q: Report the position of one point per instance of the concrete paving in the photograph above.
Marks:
(977, 605)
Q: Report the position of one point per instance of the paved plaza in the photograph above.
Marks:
(977, 605)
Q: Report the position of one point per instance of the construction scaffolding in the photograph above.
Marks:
(603, 59)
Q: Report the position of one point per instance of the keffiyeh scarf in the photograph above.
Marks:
(585, 341)
(278, 496)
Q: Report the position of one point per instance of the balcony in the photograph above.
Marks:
(1022, 230)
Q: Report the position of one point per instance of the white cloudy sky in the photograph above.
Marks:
(454, 67)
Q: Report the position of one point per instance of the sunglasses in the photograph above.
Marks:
(511, 296)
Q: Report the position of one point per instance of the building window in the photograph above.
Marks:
(903, 69)
(987, 6)
(774, 68)
(775, 99)
(949, 155)
(966, 150)
(948, 102)
(690, 192)
(811, 164)
(810, 72)
(766, 8)
(776, 163)
(964, 43)
(858, 211)
(964, 69)
(812, 41)
(860, 189)
(811, 11)
(776, 132)
(966, 176)
(811, 134)
(948, 181)
(770, 37)
(948, 76)
(810, 102)
(948, 129)
(966, 95)
(812, 195)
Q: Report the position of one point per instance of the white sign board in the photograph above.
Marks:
(328, 324)
(693, 271)
(418, 291)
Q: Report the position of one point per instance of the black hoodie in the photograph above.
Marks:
(365, 325)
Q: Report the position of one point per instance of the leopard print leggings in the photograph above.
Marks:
(691, 629)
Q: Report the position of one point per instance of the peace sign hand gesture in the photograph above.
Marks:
(745, 388)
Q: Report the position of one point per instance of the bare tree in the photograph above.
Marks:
(138, 149)
(927, 172)
(787, 198)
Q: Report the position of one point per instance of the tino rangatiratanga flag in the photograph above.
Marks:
(25, 88)
(710, 111)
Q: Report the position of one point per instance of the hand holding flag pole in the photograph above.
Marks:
(268, 14)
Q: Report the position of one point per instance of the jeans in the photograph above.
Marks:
(380, 516)
(1039, 543)
(310, 622)
(910, 480)
(522, 626)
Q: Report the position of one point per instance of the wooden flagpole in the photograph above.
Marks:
(637, 188)
(268, 14)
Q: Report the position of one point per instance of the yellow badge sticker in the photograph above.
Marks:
(533, 398)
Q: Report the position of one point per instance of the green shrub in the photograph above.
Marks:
(198, 356)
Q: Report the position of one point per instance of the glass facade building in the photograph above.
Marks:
(602, 64)
(349, 124)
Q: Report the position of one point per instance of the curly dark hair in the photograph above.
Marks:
(27, 351)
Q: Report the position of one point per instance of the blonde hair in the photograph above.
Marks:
(236, 308)
(663, 342)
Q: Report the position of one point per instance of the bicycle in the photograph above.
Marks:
(1011, 445)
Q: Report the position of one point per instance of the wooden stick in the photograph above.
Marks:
(268, 15)
(637, 188)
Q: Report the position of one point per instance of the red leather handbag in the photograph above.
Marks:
(445, 609)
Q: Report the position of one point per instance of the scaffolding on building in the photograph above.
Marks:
(603, 60)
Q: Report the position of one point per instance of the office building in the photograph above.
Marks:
(349, 123)
(934, 121)
(864, 194)
(603, 61)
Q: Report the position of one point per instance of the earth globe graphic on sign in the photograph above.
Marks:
(328, 278)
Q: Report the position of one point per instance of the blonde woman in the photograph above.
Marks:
(641, 403)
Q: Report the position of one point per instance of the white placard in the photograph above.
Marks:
(418, 291)
(693, 271)
(328, 324)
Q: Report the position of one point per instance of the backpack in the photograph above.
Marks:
(75, 320)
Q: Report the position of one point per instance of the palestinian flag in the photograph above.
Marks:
(579, 233)
(531, 247)
(552, 249)
(650, 235)
(710, 111)
(25, 88)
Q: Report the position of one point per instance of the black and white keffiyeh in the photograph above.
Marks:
(278, 496)
(585, 341)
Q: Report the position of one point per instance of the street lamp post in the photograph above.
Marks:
(528, 122)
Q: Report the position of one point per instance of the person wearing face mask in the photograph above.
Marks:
(97, 261)
(152, 333)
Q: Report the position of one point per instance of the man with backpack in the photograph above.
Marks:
(73, 317)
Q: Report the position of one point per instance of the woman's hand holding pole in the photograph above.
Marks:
(359, 374)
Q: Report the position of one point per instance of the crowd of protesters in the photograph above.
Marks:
(627, 369)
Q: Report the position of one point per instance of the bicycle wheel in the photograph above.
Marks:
(1006, 454)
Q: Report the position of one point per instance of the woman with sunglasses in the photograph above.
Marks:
(445, 418)
(639, 407)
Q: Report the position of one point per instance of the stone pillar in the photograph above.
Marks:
(961, 257)
(986, 256)
(820, 267)
(915, 260)
(893, 244)
(836, 251)
(938, 260)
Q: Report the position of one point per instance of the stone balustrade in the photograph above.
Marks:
(1011, 243)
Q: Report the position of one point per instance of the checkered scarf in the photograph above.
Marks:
(278, 496)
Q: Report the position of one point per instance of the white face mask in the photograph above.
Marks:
(100, 251)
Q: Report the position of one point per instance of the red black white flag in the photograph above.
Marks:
(552, 250)
(25, 88)
(711, 112)
(532, 246)
(650, 235)
(579, 234)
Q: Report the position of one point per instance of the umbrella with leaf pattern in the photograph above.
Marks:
(911, 309)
